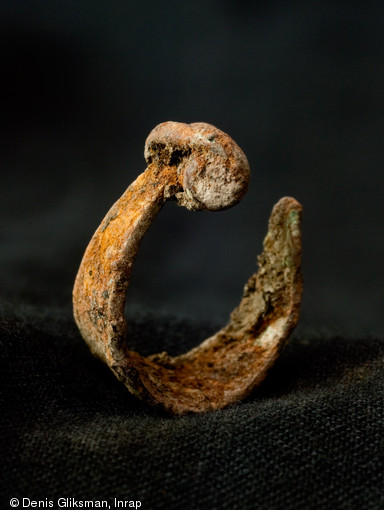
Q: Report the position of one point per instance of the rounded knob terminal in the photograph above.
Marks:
(213, 171)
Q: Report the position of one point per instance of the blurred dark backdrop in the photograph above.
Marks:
(299, 86)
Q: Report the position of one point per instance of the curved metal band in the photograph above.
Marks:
(227, 366)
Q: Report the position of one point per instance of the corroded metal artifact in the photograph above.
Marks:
(200, 167)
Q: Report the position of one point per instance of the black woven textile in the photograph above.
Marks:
(310, 437)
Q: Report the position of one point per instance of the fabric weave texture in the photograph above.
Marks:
(311, 437)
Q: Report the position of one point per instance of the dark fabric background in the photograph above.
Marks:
(300, 87)
(310, 438)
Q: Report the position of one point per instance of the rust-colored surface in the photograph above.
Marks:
(202, 168)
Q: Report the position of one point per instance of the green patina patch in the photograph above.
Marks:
(288, 261)
(293, 218)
